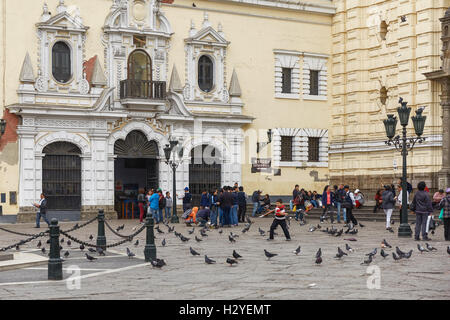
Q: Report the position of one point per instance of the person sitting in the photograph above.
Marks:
(359, 199)
(202, 217)
(266, 202)
(192, 217)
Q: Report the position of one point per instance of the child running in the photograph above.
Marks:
(280, 219)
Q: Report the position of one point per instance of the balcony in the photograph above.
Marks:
(143, 94)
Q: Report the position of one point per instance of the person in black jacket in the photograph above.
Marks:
(242, 203)
(422, 207)
(226, 202)
(42, 212)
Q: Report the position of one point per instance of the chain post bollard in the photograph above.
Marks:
(101, 238)
(150, 248)
(55, 262)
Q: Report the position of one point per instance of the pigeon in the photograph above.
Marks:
(203, 233)
(159, 230)
(408, 255)
(48, 241)
(421, 249)
(399, 252)
(448, 249)
(361, 225)
(177, 234)
(348, 230)
(100, 251)
(261, 232)
(231, 261)
(90, 258)
(395, 256)
(351, 239)
(17, 248)
(130, 254)
(429, 247)
(340, 253)
(354, 231)
(269, 255)
(220, 231)
(62, 240)
(312, 229)
(339, 233)
(297, 251)
(234, 235)
(66, 254)
(248, 220)
(39, 244)
(193, 252)
(120, 227)
(171, 229)
(348, 248)
(43, 250)
(318, 226)
(183, 238)
(318, 260)
(245, 229)
(76, 226)
(386, 244)
(136, 243)
(191, 231)
(391, 230)
(236, 255)
(193, 4)
(403, 18)
(158, 263)
(208, 260)
(231, 239)
(81, 247)
(91, 237)
(374, 252)
(91, 250)
(197, 239)
(69, 243)
(368, 261)
(383, 254)
(163, 243)
(60, 248)
(319, 253)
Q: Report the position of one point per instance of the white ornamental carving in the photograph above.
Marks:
(41, 84)
(83, 86)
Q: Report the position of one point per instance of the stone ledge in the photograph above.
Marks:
(23, 260)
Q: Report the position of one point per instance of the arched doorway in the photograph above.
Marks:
(136, 167)
(139, 66)
(204, 171)
(61, 176)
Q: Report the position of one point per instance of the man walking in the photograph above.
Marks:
(349, 203)
(422, 207)
(256, 197)
(242, 203)
(294, 195)
(42, 212)
(388, 205)
(338, 199)
(154, 206)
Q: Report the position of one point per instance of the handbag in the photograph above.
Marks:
(441, 215)
(347, 205)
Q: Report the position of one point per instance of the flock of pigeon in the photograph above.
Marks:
(159, 263)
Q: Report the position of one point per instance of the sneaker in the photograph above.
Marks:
(426, 239)
(288, 239)
(268, 239)
(417, 239)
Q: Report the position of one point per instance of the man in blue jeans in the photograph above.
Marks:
(154, 206)
(255, 199)
(340, 195)
(42, 212)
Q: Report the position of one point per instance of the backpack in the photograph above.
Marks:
(162, 202)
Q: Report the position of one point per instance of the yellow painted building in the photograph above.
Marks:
(93, 90)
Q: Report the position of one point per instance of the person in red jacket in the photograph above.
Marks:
(280, 219)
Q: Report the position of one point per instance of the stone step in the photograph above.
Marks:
(6, 256)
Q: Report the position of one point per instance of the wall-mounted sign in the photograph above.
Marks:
(261, 165)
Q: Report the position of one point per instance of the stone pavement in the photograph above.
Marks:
(286, 276)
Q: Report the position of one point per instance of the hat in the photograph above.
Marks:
(186, 189)
(357, 191)
(448, 190)
(346, 187)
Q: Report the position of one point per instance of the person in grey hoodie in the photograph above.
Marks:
(388, 203)
(422, 207)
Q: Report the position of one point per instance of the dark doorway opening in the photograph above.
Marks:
(204, 171)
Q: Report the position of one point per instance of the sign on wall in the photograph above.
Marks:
(261, 165)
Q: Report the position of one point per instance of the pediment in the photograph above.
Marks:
(209, 35)
(63, 20)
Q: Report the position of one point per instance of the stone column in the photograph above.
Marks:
(444, 173)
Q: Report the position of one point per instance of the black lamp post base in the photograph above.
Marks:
(55, 269)
(150, 253)
(405, 230)
(101, 242)
(174, 219)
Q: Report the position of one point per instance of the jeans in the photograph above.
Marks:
(213, 217)
(154, 214)
(38, 219)
(241, 212)
(234, 214)
(325, 210)
(168, 212)
(255, 208)
(344, 214)
(314, 203)
(388, 213)
(226, 216)
(421, 224)
(221, 219)
(447, 229)
(338, 210)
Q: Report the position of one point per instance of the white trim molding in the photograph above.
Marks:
(291, 60)
(319, 63)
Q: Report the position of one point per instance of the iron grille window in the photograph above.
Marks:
(314, 82)
(313, 149)
(61, 65)
(286, 148)
(286, 82)
(12, 197)
(205, 73)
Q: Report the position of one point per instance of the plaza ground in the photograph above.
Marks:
(286, 276)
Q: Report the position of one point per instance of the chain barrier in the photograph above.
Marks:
(22, 242)
(114, 231)
(129, 238)
(20, 233)
(81, 226)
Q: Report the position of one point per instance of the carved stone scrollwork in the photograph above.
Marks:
(83, 86)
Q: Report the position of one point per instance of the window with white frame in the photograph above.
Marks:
(314, 77)
(287, 74)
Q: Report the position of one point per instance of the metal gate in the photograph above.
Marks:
(204, 175)
(61, 176)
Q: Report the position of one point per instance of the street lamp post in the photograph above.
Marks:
(404, 145)
(168, 150)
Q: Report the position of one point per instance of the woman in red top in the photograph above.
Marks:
(378, 201)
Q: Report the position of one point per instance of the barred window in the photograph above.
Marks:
(61, 63)
(286, 148)
(205, 73)
(314, 82)
(313, 149)
(286, 80)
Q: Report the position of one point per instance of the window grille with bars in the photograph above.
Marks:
(313, 149)
(286, 80)
(286, 148)
(314, 82)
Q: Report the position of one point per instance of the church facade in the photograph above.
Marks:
(94, 91)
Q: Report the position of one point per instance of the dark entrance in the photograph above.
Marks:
(136, 167)
(61, 176)
(204, 171)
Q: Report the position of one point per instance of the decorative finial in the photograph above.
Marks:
(61, 7)
(206, 22)
(45, 13)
